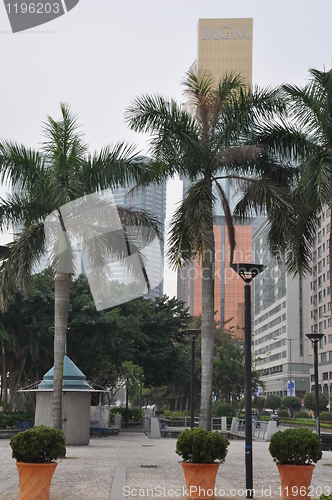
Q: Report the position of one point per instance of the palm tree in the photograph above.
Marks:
(302, 145)
(205, 145)
(44, 183)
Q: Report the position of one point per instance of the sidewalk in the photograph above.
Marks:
(131, 464)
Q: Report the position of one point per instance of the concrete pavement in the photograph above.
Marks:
(132, 465)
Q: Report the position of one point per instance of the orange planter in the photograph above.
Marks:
(200, 480)
(35, 480)
(295, 481)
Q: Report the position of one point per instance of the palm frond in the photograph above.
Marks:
(191, 228)
(18, 266)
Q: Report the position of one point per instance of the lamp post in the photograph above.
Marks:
(315, 338)
(193, 333)
(248, 272)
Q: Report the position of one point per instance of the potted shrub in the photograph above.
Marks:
(35, 451)
(294, 451)
(202, 452)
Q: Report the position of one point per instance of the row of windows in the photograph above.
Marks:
(267, 337)
(270, 313)
(273, 369)
(324, 358)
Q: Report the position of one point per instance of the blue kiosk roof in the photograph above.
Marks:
(73, 378)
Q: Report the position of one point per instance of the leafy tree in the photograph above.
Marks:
(27, 342)
(309, 401)
(225, 410)
(228, 371)
(46, 180)
(258, 403)
(206, 146)
(272, 401)
(291, 403)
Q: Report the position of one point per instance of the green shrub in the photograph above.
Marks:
(273, 402)
(242, 416)
(301, 414)
(283, 413)
(265, 413)
(295, 447)
(325, 416)
(9, 420)
(169, 413)
(200, 446)
(134, 415)
(225, 410)
(310, 401)
(325, 497)
(291, 403)
(39, 445)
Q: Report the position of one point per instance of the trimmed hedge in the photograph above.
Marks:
(283, 413)
(326, 416)
(39, 445)
(200, 446)
(295, 447)
(225, 410)
(9, 420)
(265, 413)
(301, 414)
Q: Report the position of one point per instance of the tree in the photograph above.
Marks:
(309, 401)
(273, 401)
(62, 172)
(302, 145)
(291, 403)
(206, 146)
(258, 402)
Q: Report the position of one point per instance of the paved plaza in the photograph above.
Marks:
(132, 465)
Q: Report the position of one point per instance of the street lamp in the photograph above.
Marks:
(248, 272)
(315, 338)
(193, 333)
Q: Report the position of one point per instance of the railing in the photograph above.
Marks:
(216, 422)
(259, 428)
(178, 422)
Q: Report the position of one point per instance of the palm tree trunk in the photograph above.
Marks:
(207, 342)
(62, 289)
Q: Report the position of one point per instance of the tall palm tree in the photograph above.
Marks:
(205, 144)
(45, 182)
(302, 145)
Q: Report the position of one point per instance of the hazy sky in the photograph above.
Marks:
(103, 53)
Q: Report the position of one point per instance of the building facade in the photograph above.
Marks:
(320, 304)
(281, 320)
(152, 200)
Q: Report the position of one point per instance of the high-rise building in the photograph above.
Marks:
(279, 303)
(152, 200)
(320, 304)
(224, 46)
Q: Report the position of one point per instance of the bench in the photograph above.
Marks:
(96, 427)
(23, 426)
(326, 440)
